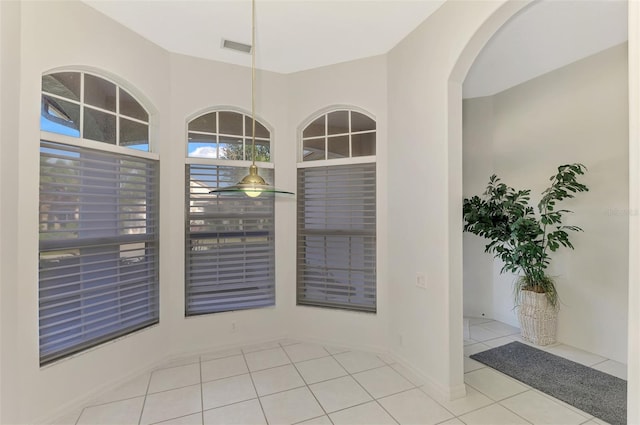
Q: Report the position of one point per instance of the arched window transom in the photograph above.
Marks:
(227, 135)
(339, 134)
(79, 104)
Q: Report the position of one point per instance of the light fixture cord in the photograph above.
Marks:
(253, 80)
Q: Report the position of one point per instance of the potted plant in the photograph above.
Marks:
(523, 241)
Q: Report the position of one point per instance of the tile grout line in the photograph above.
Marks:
(264, 415)
(305, 382)
(564, 404)
(144, 402)
(486, 395)
(498, 402)
(365, 390)
(515, 413)
(333, 356)
(201, 391)
(82, 410)
(310, 419)
(376, 400)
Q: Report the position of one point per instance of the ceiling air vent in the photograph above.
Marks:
(234, 45)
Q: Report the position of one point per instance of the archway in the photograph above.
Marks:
(502, 14)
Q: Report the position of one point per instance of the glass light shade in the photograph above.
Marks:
(251, 185)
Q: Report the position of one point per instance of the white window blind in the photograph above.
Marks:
(230, 247)
(337, 236)
(98, 247)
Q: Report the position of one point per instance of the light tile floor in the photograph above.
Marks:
(288, 382)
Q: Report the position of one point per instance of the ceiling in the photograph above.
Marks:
(291, 35)
(545, 36)
(295, 35)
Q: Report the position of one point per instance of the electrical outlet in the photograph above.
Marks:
(421, 280)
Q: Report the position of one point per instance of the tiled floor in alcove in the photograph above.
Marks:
(288, 382)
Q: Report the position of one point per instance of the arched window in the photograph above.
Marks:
(339, 134)
(98, 255)
(227, 135)
(336, 235)
(83, 105)
(230, 245)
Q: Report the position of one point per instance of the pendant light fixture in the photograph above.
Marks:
(252, 184)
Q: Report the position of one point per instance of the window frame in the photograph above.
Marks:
(358, 160)
(192, 161)
(333, 161)
(82, 104)
(118, 154)
(245, 138)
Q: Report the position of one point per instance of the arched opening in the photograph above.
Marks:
(455, 149)
(536, 99)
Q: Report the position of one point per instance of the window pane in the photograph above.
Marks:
(203, 150)
(134, 134)
(98, 275)
(131, 108)
(99, 92)
(230, 123)
(263, 151)
(361, 122)
(64, 84)
(231, 148)
(206, 123)
(99, 126)
(336, 246)
(203, 138)
(60, 116)
(102, 121)
(261, 130)
(313, 150)
(338, 122)
(363, 144)
(338, 147)
(315, 129)
(230, 247)
(350, 134)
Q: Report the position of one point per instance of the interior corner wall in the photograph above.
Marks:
(425, 194)
(198, 85)
(80, 37)
(578, 113)
(175, 88)
(477, 159)
(361, 84)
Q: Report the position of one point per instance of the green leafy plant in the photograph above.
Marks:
(518, 236)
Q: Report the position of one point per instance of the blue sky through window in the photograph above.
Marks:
(54, 127)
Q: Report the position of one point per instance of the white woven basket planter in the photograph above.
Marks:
(538, 318)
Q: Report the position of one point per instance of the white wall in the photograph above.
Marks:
(578, 113)
(174, 87)
(477, 159)
(79, 37)
(425, 181)
(361, 84)
(9, 131)
(633, 366)
(422, 88)
(197, 85)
